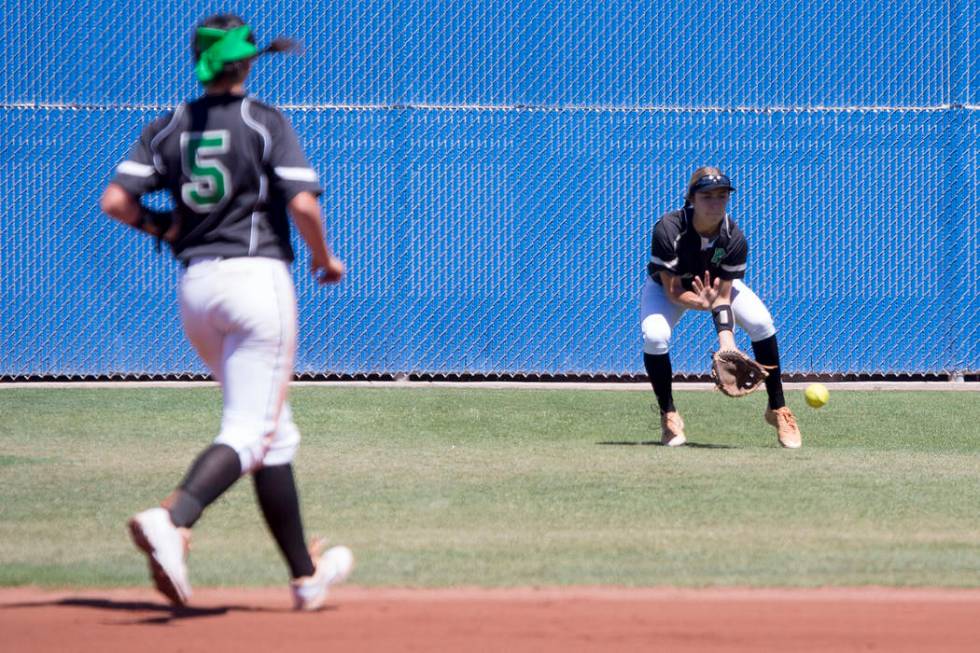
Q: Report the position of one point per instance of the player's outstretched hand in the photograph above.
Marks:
(329, 270)
(706, 290)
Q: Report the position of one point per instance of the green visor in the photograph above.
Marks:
(218, 47)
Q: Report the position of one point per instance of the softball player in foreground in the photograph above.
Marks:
(697, 261)
(234, 168)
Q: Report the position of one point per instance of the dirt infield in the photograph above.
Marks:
(518, 620)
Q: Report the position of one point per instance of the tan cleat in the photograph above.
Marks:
(786, 428)
(672, 429)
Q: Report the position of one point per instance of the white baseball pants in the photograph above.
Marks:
(659, 315)
(240, 315)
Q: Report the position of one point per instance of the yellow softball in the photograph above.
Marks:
(816, 395)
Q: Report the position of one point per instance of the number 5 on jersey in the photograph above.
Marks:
(210, 181)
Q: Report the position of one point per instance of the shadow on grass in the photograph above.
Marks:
(165, 613)
(657, 443)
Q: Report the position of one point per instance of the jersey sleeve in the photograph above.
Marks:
(733, 265)
(138, 174)
(291, 172)
(663, 249)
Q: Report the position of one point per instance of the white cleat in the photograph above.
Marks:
(332, 568)
(165, 547)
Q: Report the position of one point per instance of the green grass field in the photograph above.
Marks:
(440, 487)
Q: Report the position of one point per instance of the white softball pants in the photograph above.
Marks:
(240, 315)
(659, 316)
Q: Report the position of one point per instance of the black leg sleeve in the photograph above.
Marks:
(661, 378)
(767, 352)
(214, 471)
(275, 489)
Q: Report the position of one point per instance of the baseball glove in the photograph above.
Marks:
(735, 374)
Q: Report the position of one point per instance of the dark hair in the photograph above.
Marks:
(237, 71)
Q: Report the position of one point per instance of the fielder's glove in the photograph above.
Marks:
(735, 374)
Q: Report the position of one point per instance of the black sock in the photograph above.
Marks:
(214, 471)
(767, 352)
(661, 378)
(275, 489)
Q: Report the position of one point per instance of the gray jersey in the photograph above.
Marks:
(231, 164)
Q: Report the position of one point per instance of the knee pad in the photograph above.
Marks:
(656, 334)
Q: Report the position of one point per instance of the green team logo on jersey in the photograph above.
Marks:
(210, 181)
(718, 254)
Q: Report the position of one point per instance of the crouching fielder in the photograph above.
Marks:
(697, 261)
(233, 166)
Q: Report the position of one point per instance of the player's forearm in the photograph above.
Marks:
(304, 209)
(119, 205)
(726, 340)
(726, 337)
(310, 227)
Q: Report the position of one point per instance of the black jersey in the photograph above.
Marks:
(231, 164)
(680, 250)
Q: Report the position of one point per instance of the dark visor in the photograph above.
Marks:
(710, 182)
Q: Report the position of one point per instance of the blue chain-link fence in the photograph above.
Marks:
(493, 170)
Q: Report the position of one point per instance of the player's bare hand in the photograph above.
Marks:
(706, 290)
(328, 270)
